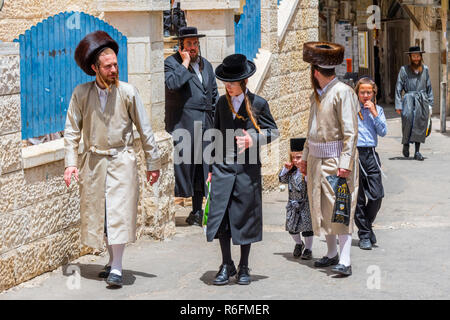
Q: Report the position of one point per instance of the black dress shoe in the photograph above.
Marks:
(307, 254)
(406, 150)
(105, 272)
(418, 156)
(298, 250)
(114, 280)
(223, 276)
(373, 239)
(343, 270)
(326, 262)
(243, 275)
(365, 244)
(195, 219)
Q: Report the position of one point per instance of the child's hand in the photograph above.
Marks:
(288, 165)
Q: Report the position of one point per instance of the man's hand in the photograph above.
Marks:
(398, 111)
(303, 166)
(288, 165)
(186, 58)
(343, 173)
(244, 142)
(68, 174)
(154, 175)
(209, 177)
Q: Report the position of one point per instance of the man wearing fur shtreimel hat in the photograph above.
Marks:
(103, 112)
(330, 149)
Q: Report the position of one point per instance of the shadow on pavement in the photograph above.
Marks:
(403, 158)
(91, 271)
(208, 278)
(309, 263)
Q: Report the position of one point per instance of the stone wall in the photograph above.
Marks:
(215, 19)
(39, 215)
(287, 85)
(17, 16)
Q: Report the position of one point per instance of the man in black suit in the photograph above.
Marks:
(191, 96)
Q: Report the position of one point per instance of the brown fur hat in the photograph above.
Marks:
(89, 47)
(323, 53)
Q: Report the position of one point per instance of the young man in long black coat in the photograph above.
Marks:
(236, 188)
(191, 96)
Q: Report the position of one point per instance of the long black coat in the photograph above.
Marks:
(236, 185)
(188, 100)
(415, 104)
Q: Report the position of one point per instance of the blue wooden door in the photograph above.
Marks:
(49, 73)
(247, 31)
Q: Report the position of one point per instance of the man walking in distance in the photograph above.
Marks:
(330, 149)
(191, 96)
(103, 112)
(415, 105)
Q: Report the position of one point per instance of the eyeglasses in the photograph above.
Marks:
(191, 44)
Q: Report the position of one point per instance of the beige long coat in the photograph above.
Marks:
(108, 170)
(334, 119)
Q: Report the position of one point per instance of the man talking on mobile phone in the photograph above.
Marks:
(191, 96)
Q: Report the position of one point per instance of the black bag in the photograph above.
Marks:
(343, 202)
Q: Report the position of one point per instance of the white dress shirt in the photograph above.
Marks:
(321, 91)
(237, 101)
(196, 66)
(103, 95)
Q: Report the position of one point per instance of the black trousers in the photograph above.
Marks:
(199, 189)
(370, 192)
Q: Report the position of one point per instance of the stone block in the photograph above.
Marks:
(143, 83)
(10, 71)
(12, 191)
(10, 114)
(46, 182)
(157, 116)
(65, 246)
(10, 153)
(14, 230)
(157, 87)
(138, 58)
(7, 275)
(53, 215)
(215, 49)
(32, 260)
(29, 9)
(157, 56)
(213, 23)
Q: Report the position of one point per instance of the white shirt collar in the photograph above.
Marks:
(321, 91)
(100, 90)
(238, 99)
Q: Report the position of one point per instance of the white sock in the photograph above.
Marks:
(308, 242)
(345, 244)
(332, 246)
(297, 238)
(110, 252)
(116, 266)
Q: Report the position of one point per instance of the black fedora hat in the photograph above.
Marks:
(297, 144)
(235, 67)
(188, 32)
(415, 49)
